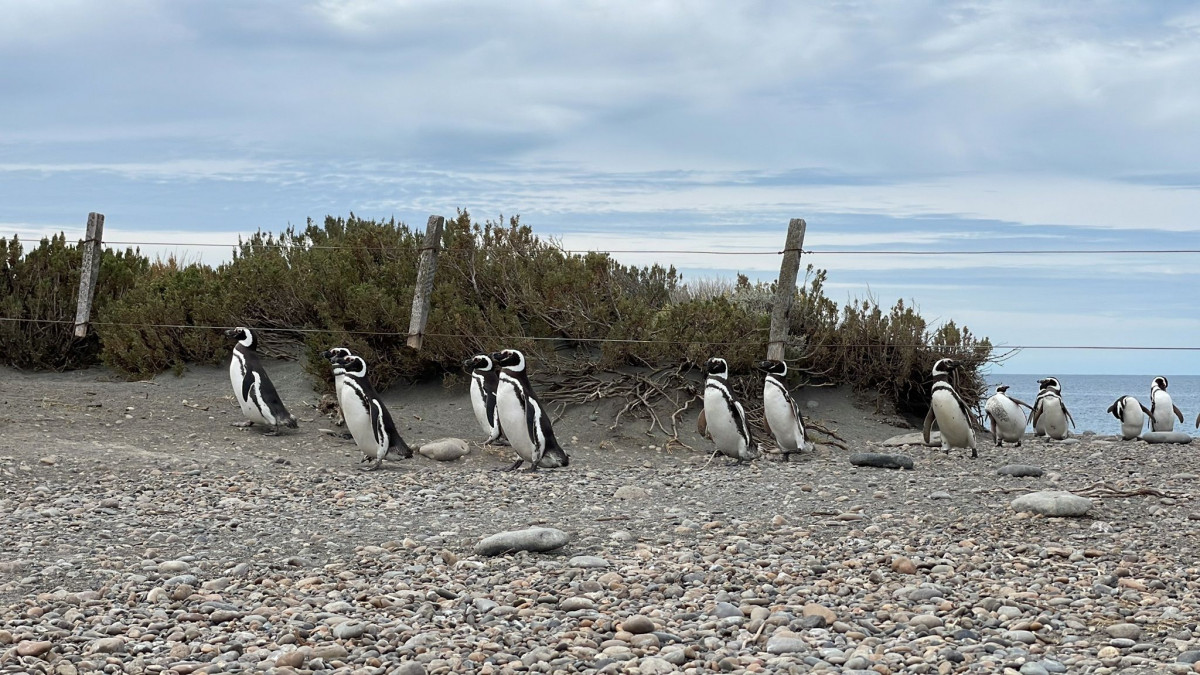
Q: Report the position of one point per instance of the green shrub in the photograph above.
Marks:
(43, 284)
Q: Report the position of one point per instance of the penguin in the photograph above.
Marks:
(1004, 412)
(329, 355)
(522, 417)
(723, 417)
(1050, 414)
(367, 417)
(252, 386)
(782, 415)
(1132, 414)
(1162, 407)
(949, 410)
(484, 379)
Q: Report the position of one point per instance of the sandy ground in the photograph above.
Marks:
(113, 487)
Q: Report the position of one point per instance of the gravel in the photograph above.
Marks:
(171, 543)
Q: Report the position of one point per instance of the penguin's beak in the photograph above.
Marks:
(327, 355)
(469, 363)
(498, 358)
(764, 365)
(231, 332)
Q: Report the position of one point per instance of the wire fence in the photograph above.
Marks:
(514, 338)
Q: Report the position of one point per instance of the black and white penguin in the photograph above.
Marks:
(783, 417)
(1004, 412)
(484, 379)
(367, 417)
(1050, 415)
(1132, 414)
(329, 355)
(949, 410)
(523, 419)
(252, 386)
(1162, 408)
(723, 417)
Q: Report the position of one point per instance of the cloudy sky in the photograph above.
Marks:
(653, 124)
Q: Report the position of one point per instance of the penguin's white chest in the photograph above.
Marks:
(512, 419)
(479, 404)
(1164, 411)
(952, 423)
(782, 419)
(237, 371)
(724, 427)
(1009, 420)
(358, 418)
(1053, 419)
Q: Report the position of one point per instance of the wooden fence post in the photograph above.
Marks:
(424, 292)
(89, 272)
(785, 289)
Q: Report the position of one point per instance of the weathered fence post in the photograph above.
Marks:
(785, 289)
(424, 293)
(89, 272)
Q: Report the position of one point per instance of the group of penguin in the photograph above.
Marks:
(505, 405)
(1049, 414)
(510, 413)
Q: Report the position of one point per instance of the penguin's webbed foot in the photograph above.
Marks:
(532, 468)
(242, 425)
(974, 453)
(273, 432)
(375, 464)
(514, 467)
(344, 435)
(498, 442)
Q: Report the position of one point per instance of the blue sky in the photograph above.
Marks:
(644, 124)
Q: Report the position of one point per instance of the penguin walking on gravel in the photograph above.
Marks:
(1132, 414)
(367, 417)
(522, 417)
(723, 417)
(1162, 408)
(329, 355)
(484, 380)
(252, 386)
(1007, 420)
(949, 410)
(1050, 414)
(782, 415)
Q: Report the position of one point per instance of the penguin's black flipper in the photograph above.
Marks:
(1037, 414)
(1178, 413)
(1020, 402)
(925, 430)
(1067, 413)
(702, 424)
(1147, 410)
(1198, 421)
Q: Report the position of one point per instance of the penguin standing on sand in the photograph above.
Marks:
(1162, 408)
(367, 417)
(1132, 414)
(522, 417)
(723, 417)
(783, 417)
(484, 380)
(1050, 414)
(1004, 413)
(949, 410)
(252, 386)
(329, 355)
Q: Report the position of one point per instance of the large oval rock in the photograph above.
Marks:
(1020, 470)
(1167, 437)
(445, 449)
(535, 539)
(881, 460)
(1053, 503)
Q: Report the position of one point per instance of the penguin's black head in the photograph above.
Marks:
(511, 359)
(1050, 383)
(331, 354)
(944, 366)
(1159, 382)
(1001, 389)
(716, 367)
(349, 365)
(243, 336)
(773, 367)
(480, 362)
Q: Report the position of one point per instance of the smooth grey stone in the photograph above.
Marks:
(786, 645)
(1191, 656)
(1167, 437)
(445, 449)
(881, 460)
(915, 438)
(1020, 470)
(725, 610)
(1034, 668)
(588, 561)
(537, 539)
(1053, 503)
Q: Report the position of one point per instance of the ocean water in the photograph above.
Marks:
(1088, 396)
